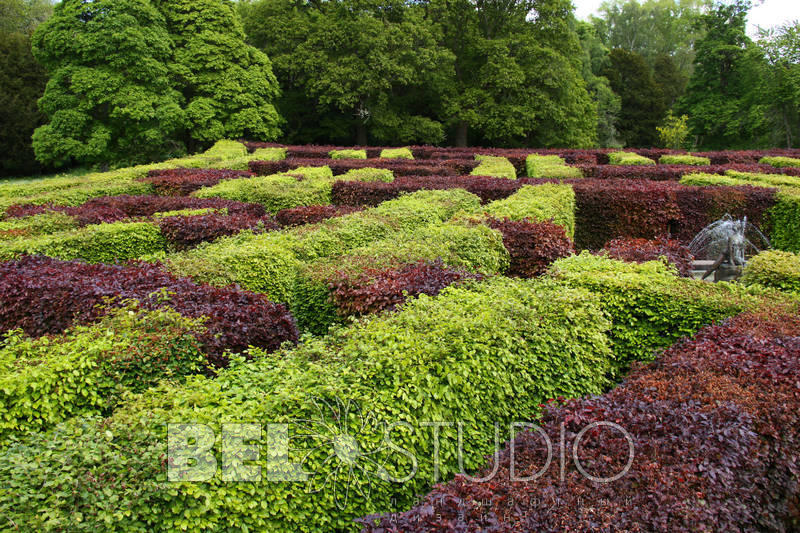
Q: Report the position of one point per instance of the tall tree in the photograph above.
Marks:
(716, 91)
(109, 98)
(643, 107)
(227, 86)
(22, 82)
(609, 106)
(779, 78)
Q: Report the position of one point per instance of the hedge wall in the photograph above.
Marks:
(555, 203)
(484, 354)
(497, 167)
(773, 268)
(549, 166)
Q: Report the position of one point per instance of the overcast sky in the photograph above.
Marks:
(768, 13)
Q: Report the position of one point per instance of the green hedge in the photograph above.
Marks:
(35, 225)
(649, 305)
(397, 153)
(775, 269)
(498, 167)
(98, 243)
(474, 248)
(484, 354)
(75, 190)
(88, 369)
(348, 154)
(783, 219)
(684, 159)
(538, 202)
(550, 166)
(270, 262)
(780, 162)
(367, 174)
(302, 186)
(629, 158)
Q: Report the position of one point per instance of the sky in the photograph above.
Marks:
(766, 14)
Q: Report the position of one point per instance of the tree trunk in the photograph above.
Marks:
(361, 133)
(461, 135)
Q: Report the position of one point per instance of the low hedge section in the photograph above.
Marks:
(44, 296)
(780, 162)
(549, 166)
(555, 203)
(484, 354)
(34, 225)
(497, 167)
(184, 232)
(348, 154)
(532, 246)
(628, 158)
(88, 369)
(397, 153)
(714, 429)
(775, 269)
(184, 181)
(311, 214)
(684, 159)
(643, 250)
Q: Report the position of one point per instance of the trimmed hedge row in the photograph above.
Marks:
(354, 193)
(184, 181)
(532, 246)
(552, 202)
(118, 208)
(714, 430)
(780, 162)
(475, 248)
(184, 232)
(396, 153)
(348, 154)
(774, 269)
(629, 158)
(88, 369)
(643, 250)
(45, 296)
(549, 166)
(671, 172)
(400, 167)
(475, 354)
(270, 263)
(682, 159)
(40, 224)
(311, 214)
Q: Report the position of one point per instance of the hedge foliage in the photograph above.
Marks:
(642, 250)
(348, 154)
(474, 248)
(532, 246)
(44, 296)
(483, 354)
(780, 162)
(269, 263)
(184, 181)
(714, 428)
(304, 186)
(88, 369)
(650, 306)
(98, 243)
(773, 268)
(550, 166)
(184, 232)
(497, 167)
(40, 224)
(311, 214)
(628, 158)
(684, 159)
(367, 175)
(397, 153)
(552, 202)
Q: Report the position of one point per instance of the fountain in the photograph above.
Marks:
(722, 248)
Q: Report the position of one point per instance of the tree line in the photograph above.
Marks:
(126, 81)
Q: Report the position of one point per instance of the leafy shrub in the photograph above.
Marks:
(549, 166)
(555, 203)
(497, 167)
(371, 194)
(775, 269)
(649, 305)
(714, 428)
(368, 175)
(304, 186)
(477, 354)
(99, 243)
(348, 154)
(374, 290)
(397, 153)
(39, 224)
(45, 296)
(185, 232)
(183, 181)
(475, 248)
(628, 158)
(189, 213)
(780, 162)
(684, 159)
(643, 250)
(311, 214)
(89, 368)
(532, 246)
(400, 167)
